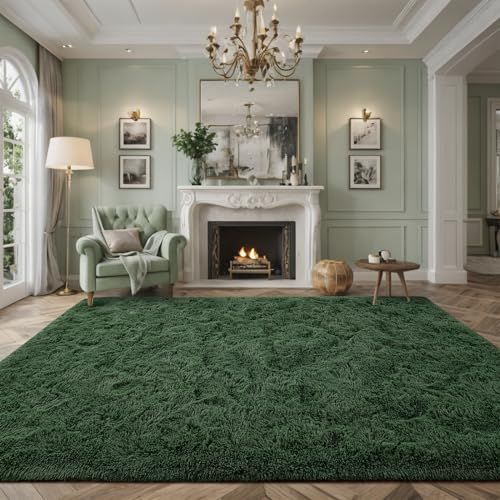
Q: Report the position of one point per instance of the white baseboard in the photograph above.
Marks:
(455, 277)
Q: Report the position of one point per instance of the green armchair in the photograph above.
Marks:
(97, 274)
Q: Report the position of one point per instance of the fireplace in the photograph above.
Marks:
(245, 250)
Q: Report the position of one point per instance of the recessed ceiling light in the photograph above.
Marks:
(67, 46)
(365, 51)
(128, 51)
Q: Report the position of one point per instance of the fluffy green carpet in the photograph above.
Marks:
(251, 389)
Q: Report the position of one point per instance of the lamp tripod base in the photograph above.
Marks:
(64, 292)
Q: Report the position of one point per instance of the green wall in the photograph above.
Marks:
(477, 166)
(356, 222)
(98, 92)
(12, 36)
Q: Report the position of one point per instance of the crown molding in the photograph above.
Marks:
(53, 22)
(423, 18)
(475, 23)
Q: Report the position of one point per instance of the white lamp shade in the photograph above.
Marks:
(73, 152)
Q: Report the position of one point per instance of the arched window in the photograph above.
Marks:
(17, 141)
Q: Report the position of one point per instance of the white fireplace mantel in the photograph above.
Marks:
(200, 204)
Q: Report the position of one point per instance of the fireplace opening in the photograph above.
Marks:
(246, 250)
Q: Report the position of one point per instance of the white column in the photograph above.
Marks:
(447, 178)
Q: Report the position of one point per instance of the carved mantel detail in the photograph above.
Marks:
(251, 200)
(298, 203)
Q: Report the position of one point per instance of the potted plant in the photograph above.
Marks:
(196, 145)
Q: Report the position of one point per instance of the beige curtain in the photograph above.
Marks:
(50, 182)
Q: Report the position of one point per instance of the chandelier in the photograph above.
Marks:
(255, 51)
(250, 128)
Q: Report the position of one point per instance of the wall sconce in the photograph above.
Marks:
(135, 115)
(366, 115)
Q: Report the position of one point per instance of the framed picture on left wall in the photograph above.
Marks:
(135, 172)
(135, 134)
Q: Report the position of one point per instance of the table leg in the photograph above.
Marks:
(403, 282)
(377, 287)
(388, 283)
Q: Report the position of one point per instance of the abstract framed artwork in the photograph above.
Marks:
(135, 172)
(135, 134)
(364, 172)
(365, 134)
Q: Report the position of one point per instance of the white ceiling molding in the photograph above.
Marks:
(423, 18)
(475, 23)
(55, 22)
(405, 12)
(196, 34)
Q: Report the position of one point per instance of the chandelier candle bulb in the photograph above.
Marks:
(255, 47)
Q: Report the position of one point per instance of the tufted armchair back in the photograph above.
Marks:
(149, 219)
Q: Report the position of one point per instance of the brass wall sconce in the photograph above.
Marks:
(366, 115)
(135, 115)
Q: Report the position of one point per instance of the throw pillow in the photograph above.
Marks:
(123, 240)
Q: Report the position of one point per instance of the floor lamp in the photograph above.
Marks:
(69, 154)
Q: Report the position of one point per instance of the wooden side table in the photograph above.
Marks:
(398, 267)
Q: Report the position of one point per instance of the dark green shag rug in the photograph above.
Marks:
(237, 389)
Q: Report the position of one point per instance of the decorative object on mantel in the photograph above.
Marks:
(196, 145)
(364, 172)
(263, 57)
(294, 174)
(135, 133)
(365, 134)
(332, 277)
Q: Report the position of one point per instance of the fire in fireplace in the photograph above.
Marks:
(249, 262)
(251, 250)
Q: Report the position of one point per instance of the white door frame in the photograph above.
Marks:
(470, 42)
(493, 106)
(16, 292)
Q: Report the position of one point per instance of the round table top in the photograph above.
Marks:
(396, 266)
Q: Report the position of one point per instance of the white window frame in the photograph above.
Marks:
(27, 109)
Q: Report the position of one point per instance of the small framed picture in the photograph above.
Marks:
(364, 172)
(365, 134)
(135, 134)
(135, 172)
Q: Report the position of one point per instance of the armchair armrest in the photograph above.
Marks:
(91, 254)
(170, 245)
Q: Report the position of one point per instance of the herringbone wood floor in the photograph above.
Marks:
(476, 304)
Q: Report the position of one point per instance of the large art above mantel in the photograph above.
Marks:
(274, 114)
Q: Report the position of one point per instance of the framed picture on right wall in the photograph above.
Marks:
(364, 172)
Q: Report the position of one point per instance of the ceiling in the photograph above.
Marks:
(164, 28)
